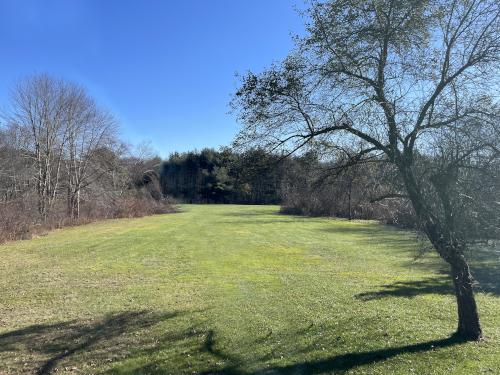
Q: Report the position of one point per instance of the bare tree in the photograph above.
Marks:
(89, 129)
(60, 129)
(402, 78)
(15, 173)
(38, 115)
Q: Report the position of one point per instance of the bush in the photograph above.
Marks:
(19, 219)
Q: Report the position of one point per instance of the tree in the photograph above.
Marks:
(60, 129)
(224, 176)
(411, 82)
(38, 116)
(15, 173)
(89, 129)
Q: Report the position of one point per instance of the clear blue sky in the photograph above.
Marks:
(166, 69)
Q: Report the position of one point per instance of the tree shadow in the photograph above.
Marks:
(487, 277)
(255, 211)
(342, 363)
(368, 234)
(59, 341)
(486, 280)
(338, 364)
(245, 221)
(111, 337)
(436, 285)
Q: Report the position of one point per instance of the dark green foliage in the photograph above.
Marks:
(210, 176)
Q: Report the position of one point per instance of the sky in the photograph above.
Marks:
(166, 69)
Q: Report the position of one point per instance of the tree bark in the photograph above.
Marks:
(469, 327)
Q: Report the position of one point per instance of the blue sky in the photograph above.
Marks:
(166, 69)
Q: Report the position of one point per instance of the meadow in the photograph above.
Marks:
(237, 290)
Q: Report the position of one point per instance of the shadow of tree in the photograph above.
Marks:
(255, 211)
(367, 234)
(341, 363)
(485, 267)
(335, 364)
(437, 285)
(60, 341)
(486, 277)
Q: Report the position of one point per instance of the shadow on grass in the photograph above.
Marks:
(486, 277)
(484, 263)
(60, 341)
(120, 337)
(485, 267)
(253, 212)
(437, 285)
(338, 364)
(370, 234)
(341, 363)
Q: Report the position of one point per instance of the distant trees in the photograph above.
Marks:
(303, 184)
(408, 83)
(209, 176)
(57, 148)
(317, 187)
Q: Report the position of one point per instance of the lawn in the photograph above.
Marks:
(236, 289)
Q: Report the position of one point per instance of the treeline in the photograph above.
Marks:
(61, 162)
(341, 188)
(312, 186)
(225, 176)
(303, 185)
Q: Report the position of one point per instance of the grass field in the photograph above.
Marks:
(236, 289)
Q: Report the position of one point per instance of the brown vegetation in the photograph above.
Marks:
(61, 163)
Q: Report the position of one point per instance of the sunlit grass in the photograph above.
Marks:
(235, 289)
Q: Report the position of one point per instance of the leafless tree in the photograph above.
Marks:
(89, 129)
(38, 116)
(404, 78)
(60, 129)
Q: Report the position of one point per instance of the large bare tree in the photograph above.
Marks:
(61, 129)
(412, 82)
(38, 116)
(89, 130)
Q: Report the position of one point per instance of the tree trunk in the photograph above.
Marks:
(469, 327)
(77, 205)
(349, 192)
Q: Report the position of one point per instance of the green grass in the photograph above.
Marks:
(235, 289)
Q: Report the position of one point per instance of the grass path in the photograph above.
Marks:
(235, 289)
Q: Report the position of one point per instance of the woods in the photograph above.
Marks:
(226, 176)
(62, 161)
